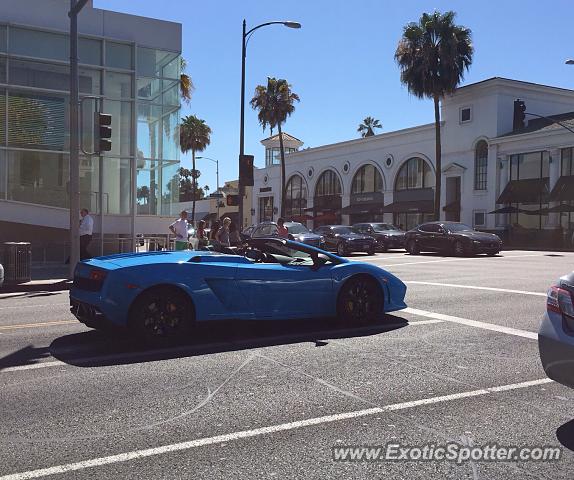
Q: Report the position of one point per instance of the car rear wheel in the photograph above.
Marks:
(371, 251)
(161, 316)
(459, 249)
(412, 247)
(341, 249)
(360, 301)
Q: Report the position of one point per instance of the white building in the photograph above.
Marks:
(485, 166)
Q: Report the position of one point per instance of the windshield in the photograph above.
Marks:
(296, 228)
(457, 227)
(381, 227)
(344, 230)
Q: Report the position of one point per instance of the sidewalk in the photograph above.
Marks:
(49, 277)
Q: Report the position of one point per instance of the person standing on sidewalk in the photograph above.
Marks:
(179, 228)
(222, 235)
(282, 229)
(86, 231)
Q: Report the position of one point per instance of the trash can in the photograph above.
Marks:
(17, 262)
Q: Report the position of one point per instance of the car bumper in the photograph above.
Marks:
(89, 315)
(391, 242)
(360, 246)
(486, 248)
(556, 349)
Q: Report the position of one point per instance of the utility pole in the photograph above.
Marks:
(74, 185)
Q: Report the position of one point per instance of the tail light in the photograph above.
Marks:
(98, 275)
(559, 301)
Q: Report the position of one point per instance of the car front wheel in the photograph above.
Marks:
(341, 249)
(360, 301)
(459, 249)
(412, 247)
(161, 316)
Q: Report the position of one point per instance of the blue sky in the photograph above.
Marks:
(341, 61)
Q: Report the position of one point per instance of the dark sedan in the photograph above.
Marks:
(451, 238)
(344, 240)
(297, 231)
(386, 234)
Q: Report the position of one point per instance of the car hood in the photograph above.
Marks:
(480, 236)
(390, 233)
(305, 236)
(354, 236)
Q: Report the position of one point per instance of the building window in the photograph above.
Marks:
(367, 180)
(567, 167)
(479, 218)
(465, 115)
(265, 209)
(273, 155)
(480, 165)
(295, 198)
(328, 184)
(415, 173)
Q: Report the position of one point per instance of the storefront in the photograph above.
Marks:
(327, 201)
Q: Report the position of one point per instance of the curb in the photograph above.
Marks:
(37, 287)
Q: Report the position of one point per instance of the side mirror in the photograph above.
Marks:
(319, 260)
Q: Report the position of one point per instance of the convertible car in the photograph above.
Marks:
(160, 295)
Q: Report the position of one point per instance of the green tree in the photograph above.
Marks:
(275, 103)
(194, 136)
(367, 128)
(186, 87)
(433, 55)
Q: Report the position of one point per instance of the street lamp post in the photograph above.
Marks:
(217, 176)
(244, 40)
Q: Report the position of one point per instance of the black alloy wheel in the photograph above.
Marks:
(383, 247)
(412, 247)
(161, 316)
(360, 301)
(341, 249)
(371, 250)
(459, 249)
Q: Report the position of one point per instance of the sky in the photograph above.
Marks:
(341, 62)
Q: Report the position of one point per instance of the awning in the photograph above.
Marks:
(357, 208)
(562, 208)
(506, 210)
(414, 206)
(528, 190)
(563, 190)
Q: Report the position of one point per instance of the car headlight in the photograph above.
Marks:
(476, 242)
(322, 239)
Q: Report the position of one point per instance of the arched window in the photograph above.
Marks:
(328, 184)
(295, 198)
(368, 179)
(480, 165)
(414, 173)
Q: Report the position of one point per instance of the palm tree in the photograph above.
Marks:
(433, 55)
(206, 189)
(194, 136)
(185, 83)
(367, 128)
(275, 104)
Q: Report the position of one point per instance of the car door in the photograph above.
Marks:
(424, 235)
(280, 291)
(434, 236)
(330, 239)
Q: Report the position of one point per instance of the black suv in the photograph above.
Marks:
(386, 234)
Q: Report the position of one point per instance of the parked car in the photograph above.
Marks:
(1, 275)
(386, 234)
(556, 334)
(160, 296)
(297, 231)
(451, 238)
(343, 240)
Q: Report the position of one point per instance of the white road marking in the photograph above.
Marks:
(35, 306)
(32, 366)
(230, 437)
(473, 323)
(456, 260)
(472, 287)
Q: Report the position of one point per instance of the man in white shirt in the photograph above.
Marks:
(179, 228)
(86, 230)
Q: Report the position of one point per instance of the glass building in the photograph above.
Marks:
(138, 86)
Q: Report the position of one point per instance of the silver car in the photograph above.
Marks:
(556, 334)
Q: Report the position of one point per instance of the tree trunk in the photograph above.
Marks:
(282, 152)
(193, 180)
(438, 161)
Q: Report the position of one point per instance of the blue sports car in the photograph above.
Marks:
(160, 295)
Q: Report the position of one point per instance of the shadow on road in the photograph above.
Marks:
(565, 435)
(97, 349)
(28, 355)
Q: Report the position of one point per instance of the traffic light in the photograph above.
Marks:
(519, 115)
(102, 132)
(246, 170)
(232, 200)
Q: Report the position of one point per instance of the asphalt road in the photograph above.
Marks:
(271, 401)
